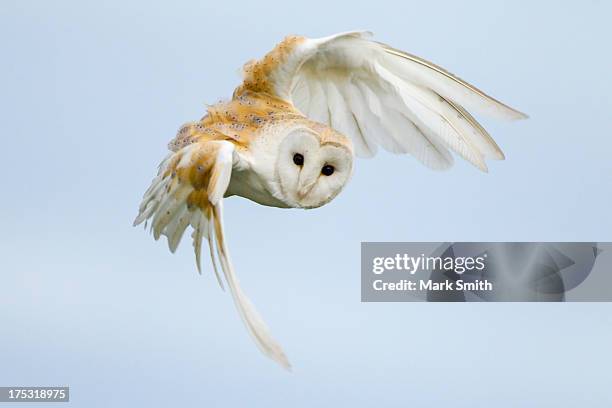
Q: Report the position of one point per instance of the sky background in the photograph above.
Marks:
(91, 92)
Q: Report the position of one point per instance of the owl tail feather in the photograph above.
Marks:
(253, 321)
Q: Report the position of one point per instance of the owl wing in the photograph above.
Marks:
(380, 96)
(189, 190)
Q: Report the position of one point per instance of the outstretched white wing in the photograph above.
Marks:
(380, 96)
(189, 190)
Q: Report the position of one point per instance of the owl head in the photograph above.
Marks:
(313, 164)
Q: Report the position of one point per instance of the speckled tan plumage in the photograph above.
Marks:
(259, 75)
(238, 121)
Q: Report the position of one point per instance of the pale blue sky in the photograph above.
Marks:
(92, 92)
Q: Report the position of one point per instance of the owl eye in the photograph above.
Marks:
(298, 159)
(327, 170)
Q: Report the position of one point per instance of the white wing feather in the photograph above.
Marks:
(380, 96)
(166, 203)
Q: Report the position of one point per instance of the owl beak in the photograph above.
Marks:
(305, 189)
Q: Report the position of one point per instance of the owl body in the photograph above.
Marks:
(289, 136)
(257, 125)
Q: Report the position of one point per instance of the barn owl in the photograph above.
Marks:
(289, 135)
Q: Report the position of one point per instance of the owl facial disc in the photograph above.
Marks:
(311, 172)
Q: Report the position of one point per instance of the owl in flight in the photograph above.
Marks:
(288, 136)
